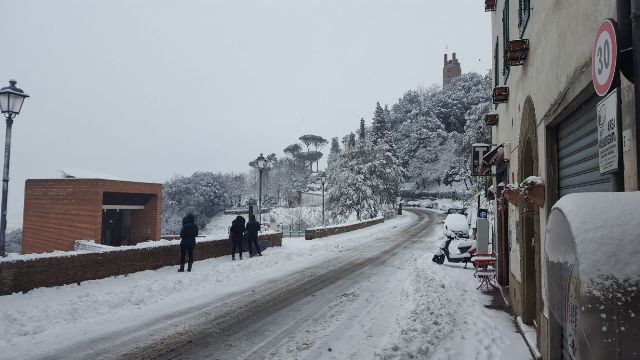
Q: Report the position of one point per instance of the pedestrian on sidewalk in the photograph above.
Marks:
(253, 227)
(236, 235)
(188, 235)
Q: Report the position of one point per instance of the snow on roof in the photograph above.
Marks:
(606, 231)
(72, 173)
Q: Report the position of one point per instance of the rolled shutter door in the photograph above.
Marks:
(578, 164)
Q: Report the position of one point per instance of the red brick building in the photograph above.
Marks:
(57, 212)
(450, 70)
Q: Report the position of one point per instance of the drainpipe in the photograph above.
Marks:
(635, 36)
(625, 57)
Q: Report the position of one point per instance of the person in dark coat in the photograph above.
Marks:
(236, 234)
(253, 227)
(188, 234)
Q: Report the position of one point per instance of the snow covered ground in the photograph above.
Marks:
(428, 311)
(304, 216)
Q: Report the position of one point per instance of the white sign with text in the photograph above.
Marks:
(608, 133)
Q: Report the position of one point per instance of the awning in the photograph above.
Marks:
(491, 158)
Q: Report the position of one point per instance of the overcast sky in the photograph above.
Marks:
(150, 89)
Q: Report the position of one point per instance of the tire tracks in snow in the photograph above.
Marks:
(220, 331)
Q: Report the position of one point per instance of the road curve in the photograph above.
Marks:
(270, 320)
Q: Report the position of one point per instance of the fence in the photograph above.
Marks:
(292, 230)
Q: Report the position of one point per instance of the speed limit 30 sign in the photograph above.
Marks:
(604, 57)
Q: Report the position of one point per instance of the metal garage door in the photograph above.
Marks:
(578, 166)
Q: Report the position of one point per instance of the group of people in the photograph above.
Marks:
(238, 233)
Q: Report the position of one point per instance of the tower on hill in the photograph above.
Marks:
(451, 70)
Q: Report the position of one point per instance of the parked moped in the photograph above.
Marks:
(467, 251)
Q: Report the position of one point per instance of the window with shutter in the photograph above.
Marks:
(505, 38)
(496, 62)
(524, 10)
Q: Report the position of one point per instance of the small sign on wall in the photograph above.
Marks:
(477, 153)
(607, 118)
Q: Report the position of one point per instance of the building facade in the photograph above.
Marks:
(57, 212)
(544, 116)
(450, 70)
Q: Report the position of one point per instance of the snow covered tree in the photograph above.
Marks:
(335, 151)
(293, 150)
(14, 240)
(352, 140)
(433, 128)
(379, 129)
(200, 194)
(362, 134)
(349, 188)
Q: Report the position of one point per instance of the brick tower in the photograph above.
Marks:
(450, 71)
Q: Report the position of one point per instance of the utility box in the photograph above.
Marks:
(593, 275)
(482, 235)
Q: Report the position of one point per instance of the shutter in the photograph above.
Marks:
(578, 162)
(564, 346)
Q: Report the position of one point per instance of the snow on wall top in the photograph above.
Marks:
(73, 173)
(606, 231)
(344, 224)
(532, 180)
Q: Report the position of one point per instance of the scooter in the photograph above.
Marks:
(467, 251)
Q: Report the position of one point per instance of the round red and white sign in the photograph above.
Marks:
(604, 57)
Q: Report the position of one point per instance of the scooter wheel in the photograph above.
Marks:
(438, 259)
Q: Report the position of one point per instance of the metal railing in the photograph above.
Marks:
(292, 230)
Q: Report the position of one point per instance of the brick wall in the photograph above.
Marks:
(23, 275)
(57, 212)
(145, 224)
(311, 234)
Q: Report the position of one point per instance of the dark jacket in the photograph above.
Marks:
(189, 231)
(237, 228)
(253, 227)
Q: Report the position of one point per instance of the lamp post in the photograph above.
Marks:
(261, 162)
(323, 179)
(11, 99)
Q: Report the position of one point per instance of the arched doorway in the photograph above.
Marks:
(529, 218)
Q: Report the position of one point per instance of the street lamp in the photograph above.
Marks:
(323, 179)
(11, 99)
(261, 162)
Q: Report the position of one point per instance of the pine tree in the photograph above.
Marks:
(379, 128)
(361, 132)
(352, 140)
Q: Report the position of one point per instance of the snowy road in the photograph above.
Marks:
(370, 294)
(345, 304)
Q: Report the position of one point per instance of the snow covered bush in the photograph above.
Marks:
(14, 241)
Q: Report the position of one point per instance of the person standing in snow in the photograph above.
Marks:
(236, 235)
(188, 235)
(253, 227)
